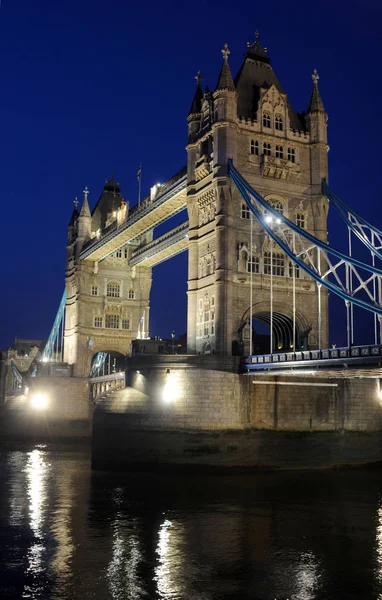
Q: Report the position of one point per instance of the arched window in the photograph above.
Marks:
(279, 124)
(296, 270)
(267, 149)
(277, 205)
(255, 147)
(279, 152)
(266, 119)
(300, 220)
(274, 262)
(253, 264)
(245, 212)
(113, 289)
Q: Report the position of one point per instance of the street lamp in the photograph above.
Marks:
(173, 341)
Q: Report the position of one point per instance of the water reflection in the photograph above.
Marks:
(122, 572)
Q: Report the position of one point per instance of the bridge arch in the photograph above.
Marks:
(282, 325)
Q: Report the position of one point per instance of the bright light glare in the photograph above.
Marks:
(39, 401)
(45, 359)
(278, 221)
(171, 388)
(268, 219)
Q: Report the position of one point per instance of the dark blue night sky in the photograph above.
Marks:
(91, 87)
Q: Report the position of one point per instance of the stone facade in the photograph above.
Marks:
(284, 157)
(107, 302)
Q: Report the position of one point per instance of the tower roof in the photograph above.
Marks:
(111, 185)
(75, 214)
(255, 73)
(315, 103)
(225, 81)
(109, 201)
(196, 105)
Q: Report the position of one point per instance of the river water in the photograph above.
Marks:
(69, 533)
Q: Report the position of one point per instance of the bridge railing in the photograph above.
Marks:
(170, 237)
(352, 354)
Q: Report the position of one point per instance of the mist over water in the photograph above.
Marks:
(70, 533)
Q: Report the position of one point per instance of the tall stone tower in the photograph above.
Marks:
(283, 155)
(107, 302)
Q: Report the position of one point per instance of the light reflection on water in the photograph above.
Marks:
(71, 536)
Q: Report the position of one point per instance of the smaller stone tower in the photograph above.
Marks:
(107, 303)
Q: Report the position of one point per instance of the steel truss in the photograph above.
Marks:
(54, 347)
(355, 282)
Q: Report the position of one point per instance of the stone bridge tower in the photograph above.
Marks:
(107, 303)
(283, 155)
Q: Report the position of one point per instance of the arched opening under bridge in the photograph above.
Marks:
(107, 363)
(283, 339)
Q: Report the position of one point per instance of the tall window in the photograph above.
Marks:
(296, 270)
(279, 152)
(112, 321)
(98, 321)
(113, 289)
(300, 220)
(245, 212)
(266, 120)
(94, 290)
(253, 264)
(126, 251)
(278, 264)
(255, 147)
(292, 155)
(277, 205)
(267, 149)
(279, 124)
(118, 254)
(131, 294)
(125, 323)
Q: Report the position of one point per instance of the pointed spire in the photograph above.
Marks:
(74, 217)
(316, 104)
(85, 210)
(196, 105)
(225, 81)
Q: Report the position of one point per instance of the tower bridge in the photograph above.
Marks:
(257, 201)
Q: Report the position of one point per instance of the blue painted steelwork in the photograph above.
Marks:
(367, 233)
(279, 234)
(313, 358)
(98, 363)
(53, 339)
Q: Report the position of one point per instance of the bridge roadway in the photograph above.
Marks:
(367, 360)
(149, 214)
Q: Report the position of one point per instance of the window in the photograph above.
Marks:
(296, 270)
(278, 264)
(206, 329)
(112, 321)
(279, 124)
(253, 264)
(113, 289)
(266, 120)
(300, 220)
(279, 152)
(131, 294)
(98, 321)
(118, 254)
(94, 290)
(292, 155)
(245, 212)
(125, 323)
(267, 149)
(277, 205)
(126, 251)
(255, 147)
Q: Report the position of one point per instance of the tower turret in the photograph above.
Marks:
(193, 117)
(84, 223)
(316, 120)
(225, 112)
